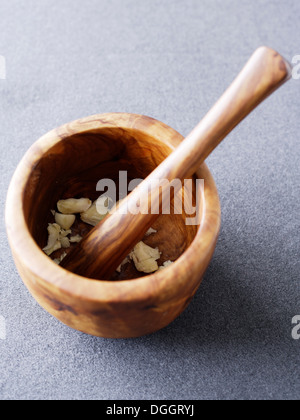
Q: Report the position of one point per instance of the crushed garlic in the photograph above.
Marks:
(145, 258)
(65, 242)
(53, 239)
(57, 238)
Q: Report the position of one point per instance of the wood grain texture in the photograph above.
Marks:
(68, 162)
(105, 247)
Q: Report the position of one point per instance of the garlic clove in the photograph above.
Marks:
(65, 221)
(97, 212)
(73, 205)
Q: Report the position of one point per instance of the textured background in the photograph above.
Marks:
(169, 59)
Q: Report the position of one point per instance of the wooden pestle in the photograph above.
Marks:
(105, 247)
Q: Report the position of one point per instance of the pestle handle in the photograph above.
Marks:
(106, 246)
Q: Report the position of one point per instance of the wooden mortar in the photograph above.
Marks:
(68, 162)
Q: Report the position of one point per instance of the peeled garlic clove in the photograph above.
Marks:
(97, 212)
(65, 221)
(74, 205)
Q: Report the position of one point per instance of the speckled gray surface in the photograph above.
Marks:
(169, 59)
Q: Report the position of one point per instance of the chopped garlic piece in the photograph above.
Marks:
(73, 205)
(55, 247)
(65, 221)
(97, 212)
(59, 260)
(75, 239)
(166, 265)
(64, 233)
(126, 261)
(53, 239)
(57, 238)
(144, 252)
(53, 227)
(145, 257)
(150, 232)
(65, 243)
